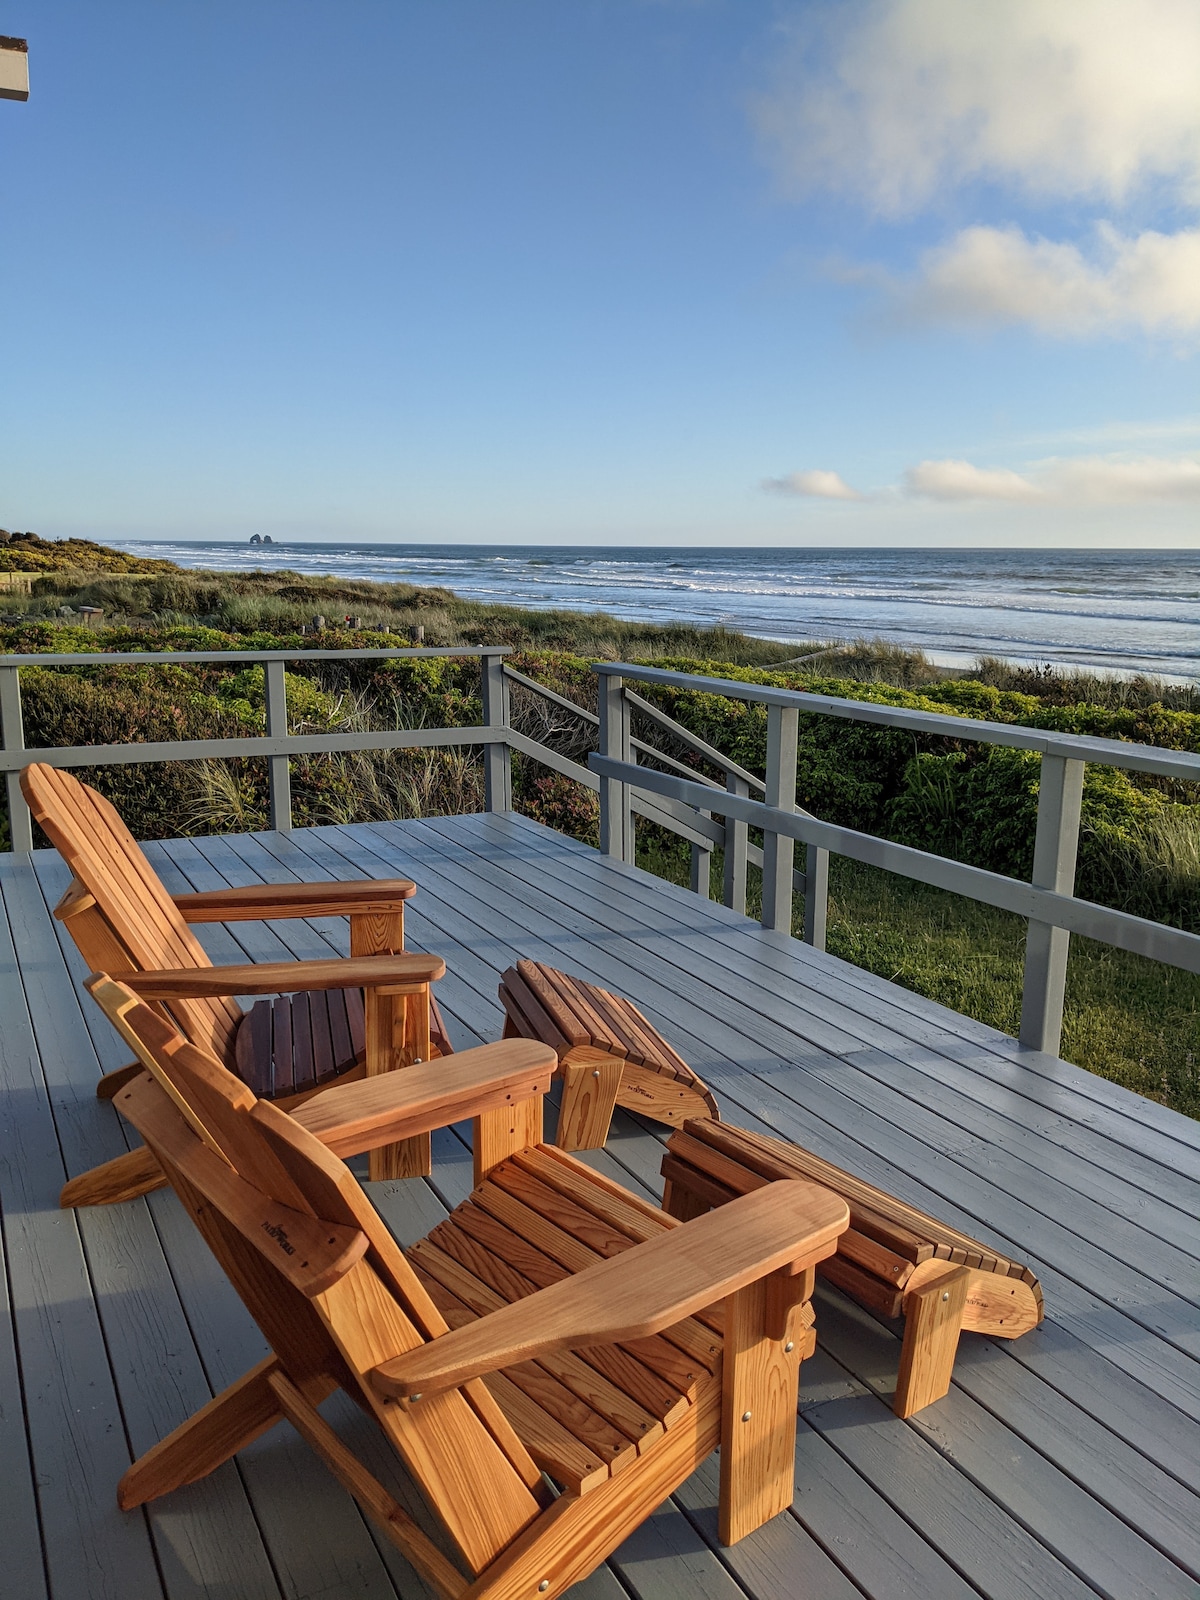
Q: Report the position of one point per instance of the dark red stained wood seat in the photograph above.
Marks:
(294, 1043)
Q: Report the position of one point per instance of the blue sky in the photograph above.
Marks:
(906, 272)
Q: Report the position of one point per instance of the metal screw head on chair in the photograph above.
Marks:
(946, 1296)
(789, 1347)
(745, 1416)
(544, 1585)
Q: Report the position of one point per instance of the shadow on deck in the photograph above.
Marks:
(1065, 1464)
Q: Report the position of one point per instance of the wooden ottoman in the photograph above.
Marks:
(608, 1054)
(893, 1259)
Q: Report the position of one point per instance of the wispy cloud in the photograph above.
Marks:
(961, 480)
(1064, 480)
(897, 100)
(817, 484)
(1114, 433)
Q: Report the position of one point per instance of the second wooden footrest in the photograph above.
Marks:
(608, 1054)
(893, 1259)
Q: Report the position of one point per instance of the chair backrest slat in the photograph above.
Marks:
(89, 834)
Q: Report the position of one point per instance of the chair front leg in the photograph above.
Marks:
(397, 1030)
(760, 1381)
(591, 1080)
(397, 1025)
(377, 934)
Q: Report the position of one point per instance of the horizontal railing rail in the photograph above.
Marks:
(160, 658)
(1048, 902)
(291, 744)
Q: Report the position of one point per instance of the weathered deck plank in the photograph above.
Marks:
(1061, 1466)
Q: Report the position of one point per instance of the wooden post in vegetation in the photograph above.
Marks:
(736, 838)
(816, 895)
(497, 758)
(279, 777)
(20, 823)
(616, 813)
(701, 867)
(783, 737)
(1056, 846)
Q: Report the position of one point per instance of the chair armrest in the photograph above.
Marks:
(263, 902)
(352, 1117)
(286, 977)
(639, 1292)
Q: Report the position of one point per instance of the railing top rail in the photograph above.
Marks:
(134, 658)
(1181, 764)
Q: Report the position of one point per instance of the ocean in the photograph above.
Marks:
(1122, 611)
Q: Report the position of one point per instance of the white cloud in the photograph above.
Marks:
(896, 100)
(816, 483)
(1064, 480)
(1099, 479)
(960, 480)
(1149, 283)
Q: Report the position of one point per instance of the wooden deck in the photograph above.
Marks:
(1064, 1465)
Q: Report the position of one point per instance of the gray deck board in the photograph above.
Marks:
(1062, 1465)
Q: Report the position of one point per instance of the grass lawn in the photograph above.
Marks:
(1126, 1018)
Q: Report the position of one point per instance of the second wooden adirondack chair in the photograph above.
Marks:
(555, 1324)
(330, 1019)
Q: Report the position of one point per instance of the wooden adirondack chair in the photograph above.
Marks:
(652, 1341)
(330, 1019)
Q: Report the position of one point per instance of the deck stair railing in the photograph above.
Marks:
(707, 813)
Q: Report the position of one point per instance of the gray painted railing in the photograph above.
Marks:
(277, 745)
(1048, 902)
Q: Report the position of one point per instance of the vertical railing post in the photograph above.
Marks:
(20, 823)
(497, 758)
(616, 812)
(737, 835)
(783, 737)
(279, 775)
(816, 895)
(701, 866)
(1055, 848)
